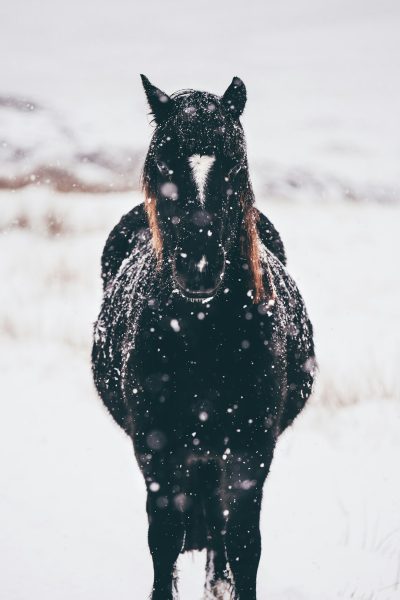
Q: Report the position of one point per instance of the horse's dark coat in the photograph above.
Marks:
(203, 389)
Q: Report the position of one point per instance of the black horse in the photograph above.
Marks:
(203, 351)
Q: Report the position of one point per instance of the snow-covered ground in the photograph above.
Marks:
(72, 501)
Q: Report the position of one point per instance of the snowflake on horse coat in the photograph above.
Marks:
(203, 350)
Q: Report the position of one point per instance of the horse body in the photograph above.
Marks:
(203, 389)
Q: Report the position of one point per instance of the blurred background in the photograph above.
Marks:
(323, 131)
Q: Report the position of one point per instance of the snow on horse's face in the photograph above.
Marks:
(194, 175)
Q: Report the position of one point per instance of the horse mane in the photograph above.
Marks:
(151, 212)
(251, 249)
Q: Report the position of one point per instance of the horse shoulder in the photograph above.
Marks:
(270, 237)
(121, 241)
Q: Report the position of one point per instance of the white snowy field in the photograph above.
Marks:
(323, 139)
(72, 502)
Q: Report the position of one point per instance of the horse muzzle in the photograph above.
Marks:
(198, 273)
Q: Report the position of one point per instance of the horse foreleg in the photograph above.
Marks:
(245, 477)
(166, 538)
(243, 543)
(217, 582)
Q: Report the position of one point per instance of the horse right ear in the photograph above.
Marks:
(235, 97)
(160, 103)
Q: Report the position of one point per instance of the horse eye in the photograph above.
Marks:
(163, 168)
(235, 170)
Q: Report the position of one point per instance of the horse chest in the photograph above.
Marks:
(213, 369)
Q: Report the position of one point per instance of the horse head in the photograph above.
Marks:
(199, 198)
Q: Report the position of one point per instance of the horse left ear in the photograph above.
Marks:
(235, 97)
(160, 103)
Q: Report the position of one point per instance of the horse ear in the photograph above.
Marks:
(235, 97)
(160, 103)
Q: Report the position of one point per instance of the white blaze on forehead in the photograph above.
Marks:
(201, 166)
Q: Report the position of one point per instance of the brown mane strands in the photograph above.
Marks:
(251, 245)
(150, 205)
